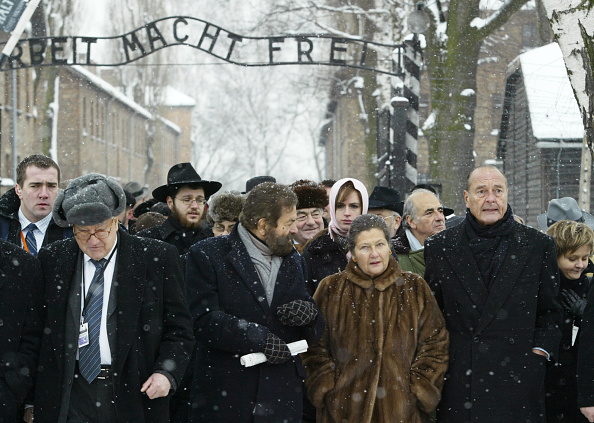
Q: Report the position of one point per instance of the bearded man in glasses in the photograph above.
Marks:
(117, 337)
(186, 195)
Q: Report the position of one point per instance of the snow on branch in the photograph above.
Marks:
(499, 17)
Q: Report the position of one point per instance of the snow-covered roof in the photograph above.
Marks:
(171, 125)
(554, 112)
(112, 91)
(175, 98)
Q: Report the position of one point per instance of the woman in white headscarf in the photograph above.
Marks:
(326, 253)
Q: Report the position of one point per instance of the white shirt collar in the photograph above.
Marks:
(415, 244)
(41, 225)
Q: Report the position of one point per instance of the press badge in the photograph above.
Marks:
(83, 336)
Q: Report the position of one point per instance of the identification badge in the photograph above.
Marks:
(83, 336)
(574, 333)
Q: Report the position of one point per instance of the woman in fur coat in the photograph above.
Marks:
(384, 351)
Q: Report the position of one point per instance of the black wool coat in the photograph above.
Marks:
(585, 367)
(148, 326)
(323, 257)
(172, 233)
(493, 375)
(231, 318)
(20, 328)
(561, 376)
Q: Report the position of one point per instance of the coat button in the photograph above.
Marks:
(476, 339)
(511, 340)
(523, 304)
(1, 322)
(512, 374)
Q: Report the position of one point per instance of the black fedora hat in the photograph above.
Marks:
(184, 174)
(257, 180)
(386, 198)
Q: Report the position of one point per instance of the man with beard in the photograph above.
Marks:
(246, 293)
(186, 195)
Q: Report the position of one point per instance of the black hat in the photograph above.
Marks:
(257, 180)
(184, 174)
(309, 194)
(385, 198)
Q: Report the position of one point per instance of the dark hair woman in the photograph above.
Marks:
(325, 254)
(384, 351)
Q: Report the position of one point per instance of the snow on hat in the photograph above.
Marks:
(565, 208)
(310, 194)
(225, 206)
(89, 200)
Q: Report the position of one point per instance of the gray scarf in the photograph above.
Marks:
(267, 265)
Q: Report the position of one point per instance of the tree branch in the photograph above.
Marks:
(500, 17)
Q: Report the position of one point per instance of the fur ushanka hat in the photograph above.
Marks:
(310, 194)
(89, 200)
(225, 206)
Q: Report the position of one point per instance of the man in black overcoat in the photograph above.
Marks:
(246, 293)
(20, 328)
(117, 336)
(496, 282)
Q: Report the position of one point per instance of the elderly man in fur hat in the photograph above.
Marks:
(186, 195)
(311, 200)
(117, 335)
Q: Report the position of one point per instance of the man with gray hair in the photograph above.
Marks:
(117, 335)
(422, 217)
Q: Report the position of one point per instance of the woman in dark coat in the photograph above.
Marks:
(574, 244)
(384, 351)
(326, 253)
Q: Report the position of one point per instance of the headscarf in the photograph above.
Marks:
(333, 228)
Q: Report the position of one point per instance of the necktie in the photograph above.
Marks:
(30, 239)
(90, 355)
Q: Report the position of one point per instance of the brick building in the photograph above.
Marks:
(96, 128)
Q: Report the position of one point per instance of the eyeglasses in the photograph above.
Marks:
(302, 216)
(221, 228)
(187, 201)
(84, 236)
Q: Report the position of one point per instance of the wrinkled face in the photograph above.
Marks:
(188, 206)
(573, 264)
(486, 197)
(96, 241)
(372, 252)
(223, 228)
(38, 193)
(429, 219)
(309, 223)
(392, 219)
(280, 239)
(348, 210)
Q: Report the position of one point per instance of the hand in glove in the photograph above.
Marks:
(573, 303)
(297, 313)
(276, 350)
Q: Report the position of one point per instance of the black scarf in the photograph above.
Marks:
(489, 243)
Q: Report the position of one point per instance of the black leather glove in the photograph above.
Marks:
(276, 350)
(297, 313)
(572, 303)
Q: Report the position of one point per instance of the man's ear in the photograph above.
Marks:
(411, 222)
(18, 191)
(261, 227)
(170, 202)
(397, 222)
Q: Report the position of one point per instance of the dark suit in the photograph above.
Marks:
(231, 317)
(20, 328)
(494, 376)
(148, 327)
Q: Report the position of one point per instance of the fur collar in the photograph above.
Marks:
(382, 282)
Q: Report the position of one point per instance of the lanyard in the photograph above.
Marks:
(87, 298)
(24, 242)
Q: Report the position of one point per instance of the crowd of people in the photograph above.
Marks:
(308, 302)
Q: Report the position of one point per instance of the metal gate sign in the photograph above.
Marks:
(303, 49)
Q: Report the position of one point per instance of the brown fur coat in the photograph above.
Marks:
(384, 352)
